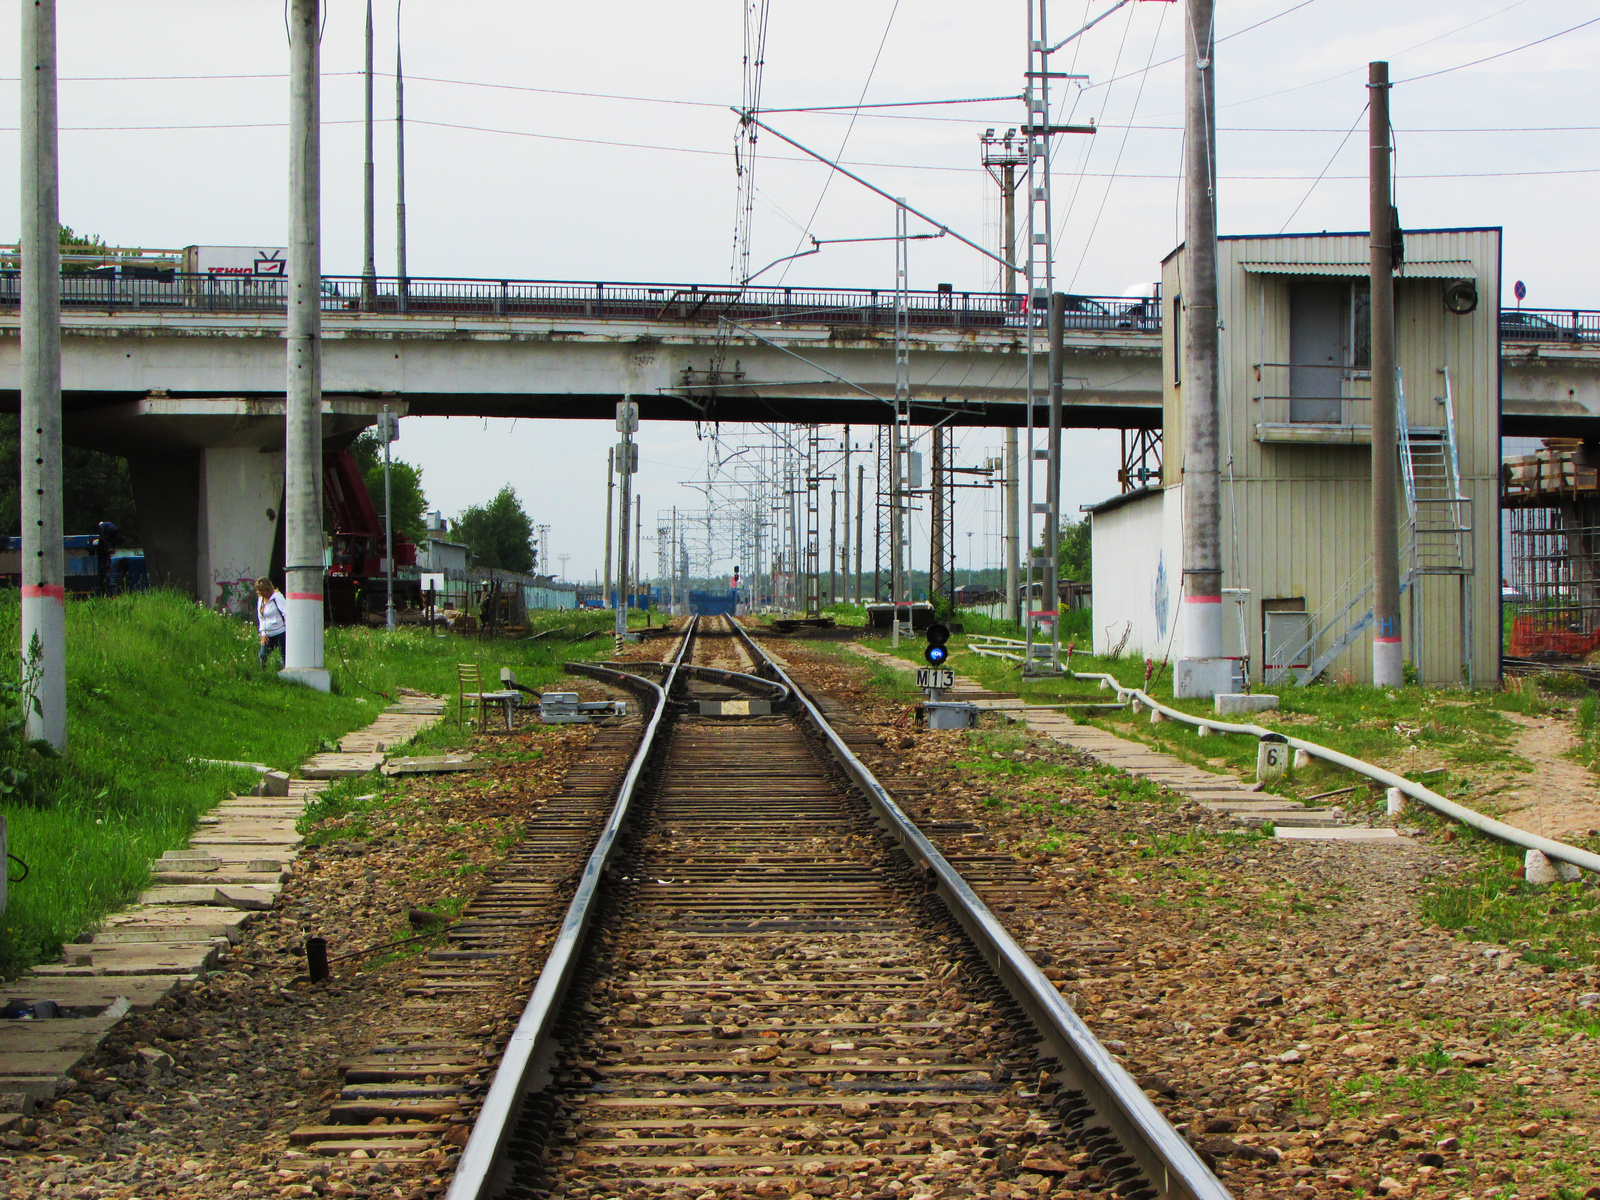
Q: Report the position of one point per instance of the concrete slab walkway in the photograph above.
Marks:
(1221, 793)
(199, 902)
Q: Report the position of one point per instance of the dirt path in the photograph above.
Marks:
(1560, 797)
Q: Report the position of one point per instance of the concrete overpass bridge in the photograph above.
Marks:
(184, 374)
(686, 352)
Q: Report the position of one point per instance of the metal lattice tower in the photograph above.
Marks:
(899, 441)
(812, 562)
(880, 532)
(1039, 278)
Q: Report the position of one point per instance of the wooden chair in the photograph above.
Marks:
(469, 691)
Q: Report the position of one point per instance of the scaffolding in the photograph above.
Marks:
(1553, 515)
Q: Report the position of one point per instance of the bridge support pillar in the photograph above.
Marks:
(210, 517)
(240, 506)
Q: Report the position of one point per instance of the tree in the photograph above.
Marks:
(74, 243)
(1074, 551)
(499, 534)
(1077, 562)
(405, 486)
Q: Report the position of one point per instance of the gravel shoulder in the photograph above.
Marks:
(1283, 1002)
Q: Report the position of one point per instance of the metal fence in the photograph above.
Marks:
(110, 289)
(555, 300)
(1550, 325)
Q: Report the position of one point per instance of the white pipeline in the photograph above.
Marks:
(1498, 829)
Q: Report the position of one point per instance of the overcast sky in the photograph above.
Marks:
(634, 180)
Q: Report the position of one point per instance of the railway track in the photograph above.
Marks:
(768, 983)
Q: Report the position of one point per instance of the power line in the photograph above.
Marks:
(695, 150)
(1226, 37)
(891, 104)
(1106, 195)
(1415, 46)
(844, 141)
(1325, 169)
(1490, 58)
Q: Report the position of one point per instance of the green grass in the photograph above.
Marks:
(1556, 925)
(153, 682)
(1404, 729)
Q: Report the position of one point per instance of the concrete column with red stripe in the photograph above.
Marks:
(44, 608)
(302, 410)
(1201, 670)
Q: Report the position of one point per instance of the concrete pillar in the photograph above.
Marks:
(240, 491)
(44, 611)
(303, 406)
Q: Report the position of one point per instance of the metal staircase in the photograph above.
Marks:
(1440, 513)
(1439, 542)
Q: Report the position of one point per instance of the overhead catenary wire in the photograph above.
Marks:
(1088, 151)
(1502, 54)
(1342, 143)
(849, 129)
(1116, 164)
(894, 166)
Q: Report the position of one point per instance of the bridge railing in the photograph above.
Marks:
(1550, 325)
(144, 288)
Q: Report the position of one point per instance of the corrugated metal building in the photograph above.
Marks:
(1296, 469)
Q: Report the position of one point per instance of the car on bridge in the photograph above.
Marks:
(1518, 325)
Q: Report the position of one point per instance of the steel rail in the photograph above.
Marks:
(1168, 1162)
(531, 1047)
(769, 688)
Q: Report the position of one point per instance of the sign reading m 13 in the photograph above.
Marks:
(253, 262)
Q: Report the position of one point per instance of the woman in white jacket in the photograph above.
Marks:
(271, 619)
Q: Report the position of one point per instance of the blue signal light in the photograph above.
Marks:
(936, 654)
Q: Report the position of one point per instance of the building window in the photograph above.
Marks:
(1177, 340)
(1361, 327)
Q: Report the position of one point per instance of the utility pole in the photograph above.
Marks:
(844, 565)
(44, 603)
(675, 558)
(1387, 667)
(638, 535)
(369, 268)
(611, 487)
(833, 545)
(861, 493)
(388, 424)
(302, 410)
(1012, 527)
(627, 423)
(1206, 672)
(403, 298)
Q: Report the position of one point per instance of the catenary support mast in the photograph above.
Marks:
(369, 260)
(303, 392)
(44, 615)
(1200, 635)
(403, 283)
(1387, 667)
